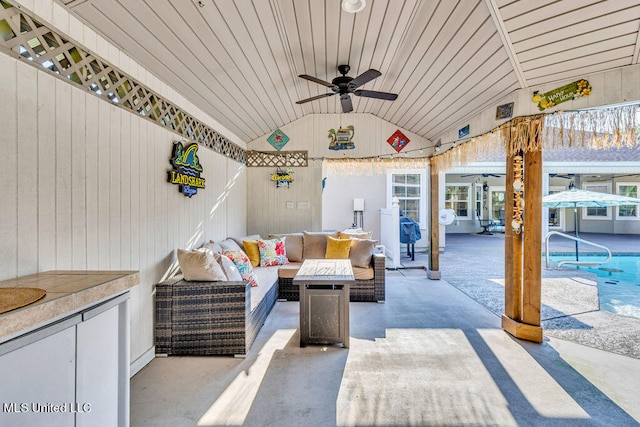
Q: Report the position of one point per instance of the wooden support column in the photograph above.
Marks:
(523, 257)
(433, 272)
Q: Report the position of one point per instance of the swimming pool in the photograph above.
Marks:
(618, 281)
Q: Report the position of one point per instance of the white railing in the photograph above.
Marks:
(571, 262)
(390, 234)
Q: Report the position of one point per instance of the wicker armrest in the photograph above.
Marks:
(378, 262)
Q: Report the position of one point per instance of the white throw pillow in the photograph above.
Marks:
(213, 246)
(200, 265)
(229, 268)
(230, 245)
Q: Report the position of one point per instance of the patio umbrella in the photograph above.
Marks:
(575, 199)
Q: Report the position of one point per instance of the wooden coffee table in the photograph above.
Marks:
(324, 301)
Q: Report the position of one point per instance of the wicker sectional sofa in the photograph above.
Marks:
(224, 317)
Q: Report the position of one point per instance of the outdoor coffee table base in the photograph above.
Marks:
(324, 301)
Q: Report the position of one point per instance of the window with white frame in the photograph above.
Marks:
(628, 189)
(556, 215)
(409, 186)
(458, 198)
(597, 212)
(497, 202)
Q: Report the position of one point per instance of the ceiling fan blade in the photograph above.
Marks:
(313, 98)
(363, 78)
(375, 94)
(321, 82)
(347, 106)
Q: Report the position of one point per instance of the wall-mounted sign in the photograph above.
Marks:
(341, 139)
(278, 139)
(562, 94)
(398, 140)
(186, 169)
(504, 111)
(463, 132)
(282, 178)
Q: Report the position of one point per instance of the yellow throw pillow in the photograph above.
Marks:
(337, 248)
(252, 251)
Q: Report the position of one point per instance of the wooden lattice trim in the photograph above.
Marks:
(277, 158)
(26, 38)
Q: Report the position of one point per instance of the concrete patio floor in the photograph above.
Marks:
(430, 355)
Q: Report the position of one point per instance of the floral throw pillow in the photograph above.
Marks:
(242, 263)
(272, 252)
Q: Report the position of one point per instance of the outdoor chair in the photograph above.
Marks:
(486, 224)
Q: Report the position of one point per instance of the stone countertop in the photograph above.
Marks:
(67, 293)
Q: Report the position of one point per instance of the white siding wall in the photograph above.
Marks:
(267, 204)
(338, 195)
(84, 186)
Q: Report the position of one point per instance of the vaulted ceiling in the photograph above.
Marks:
(447, 60)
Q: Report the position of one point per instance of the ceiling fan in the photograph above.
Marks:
(484, 175)
(345, 85)
(557, 175)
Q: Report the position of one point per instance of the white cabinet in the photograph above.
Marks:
(73, 372)
(36, 375)
(103, 366)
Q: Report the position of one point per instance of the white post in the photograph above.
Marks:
(390, 233)
(545, 210)
(441, 197)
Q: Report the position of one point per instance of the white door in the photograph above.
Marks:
(480, 203)
(497, 204)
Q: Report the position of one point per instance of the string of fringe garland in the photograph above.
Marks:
(592, 129)
(595, 129)
(374, 166)
(488, 145)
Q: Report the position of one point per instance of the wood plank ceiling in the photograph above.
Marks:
(447, 60)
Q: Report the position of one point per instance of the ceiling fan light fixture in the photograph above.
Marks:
(353, 6)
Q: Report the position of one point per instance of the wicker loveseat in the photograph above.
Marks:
(212, 318)
(368, 268)
(363, 290)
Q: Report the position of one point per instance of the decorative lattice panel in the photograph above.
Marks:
(277, 158)
(28, 39)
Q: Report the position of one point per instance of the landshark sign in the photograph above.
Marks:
(186, 169)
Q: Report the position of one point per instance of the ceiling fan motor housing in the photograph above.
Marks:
(342, 83)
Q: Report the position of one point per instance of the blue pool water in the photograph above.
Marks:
(618, 281)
